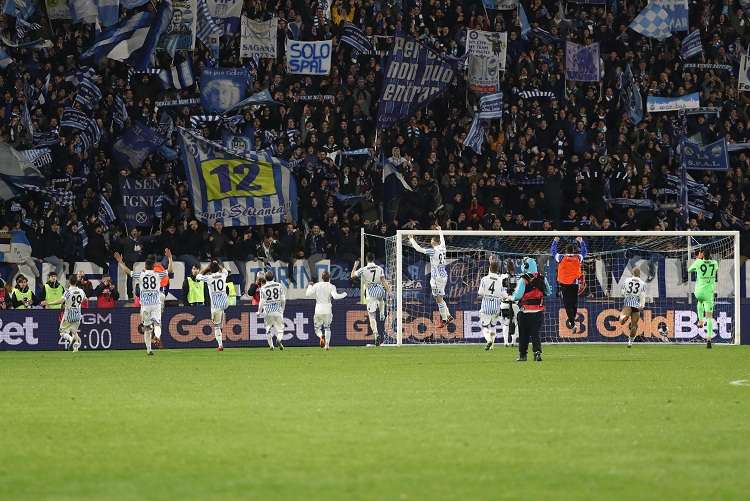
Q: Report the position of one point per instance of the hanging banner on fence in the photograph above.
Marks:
(258, 38)
(238, 190)
(487, 54)
(712, 156)
(180, 35)
(415, 75)
(222, 88)
(677, 10)
(58, 9)
(138, 200)
(744, 77)
(500, 4)
(656, 104)
(308, 58)
(228, 10)
(582, 62)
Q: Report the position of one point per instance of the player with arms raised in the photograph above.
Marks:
(73, 298)
(271, 304)
(148, 280)
(494, 293)
(323, 292)
(438, 273)
(706, 270)
(215, 276)
(376, 287)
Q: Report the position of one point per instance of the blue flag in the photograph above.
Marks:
(691, 45)
(222, 88)
(633, 101)
(208, 30)
(88, 95)
(475, 136)
(259, 98)
(109, 12)
(136, 143)
(119, 112)
(105, 214)
(652, 22)
(582, 62)
(415, 75)
(712, 156)
(133, 39)
(355, 38)
(524, 21)
(139, 198)
(238, 190)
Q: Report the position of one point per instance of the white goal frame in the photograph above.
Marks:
(402, 234)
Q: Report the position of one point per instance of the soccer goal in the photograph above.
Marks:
(662, 259)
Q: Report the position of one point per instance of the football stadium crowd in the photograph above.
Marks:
(565, 155)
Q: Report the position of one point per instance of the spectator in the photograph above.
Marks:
(85, 284)
(22, 297)
(106, 293)
(194, 292)
(51, 291)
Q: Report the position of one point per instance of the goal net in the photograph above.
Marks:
(663, 259)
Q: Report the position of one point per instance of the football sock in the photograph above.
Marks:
(488, 334)
(373, 324)
(443, 310)
(327, 331)
(147, 337)
(710, 327)
(157, 331)
(66, 337)
(217, 335)
(269, 338)
(381, 309)
(505, 329)
(700, 311)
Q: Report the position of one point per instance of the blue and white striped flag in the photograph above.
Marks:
(652, 22)
(691, 45)
(23, 28)
(178, 77)
(633, 98)
(26, 119)
(105, 214)
(219, 187)
(49, 138)
(5, 59)
(38, 157)
(262, 97)
(83, 11)
(119, 112)
(133, 39)
(491, 106)
(208, 31)
(88, 94)
(475, 136)
(20, 9)
(355, 38)
(109, 12)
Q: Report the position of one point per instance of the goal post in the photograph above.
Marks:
(661, 256)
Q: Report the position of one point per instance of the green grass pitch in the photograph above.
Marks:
(590, 422)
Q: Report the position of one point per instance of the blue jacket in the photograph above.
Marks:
(529, 266)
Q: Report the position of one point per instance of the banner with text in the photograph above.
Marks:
(222, 88)
(415, 75)
(487, 54)
(180, 35)
(712, 156)
(308, 58)
(656, 104)
(258, 38)
(138, 200)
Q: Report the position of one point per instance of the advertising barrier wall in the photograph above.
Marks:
(191, 327)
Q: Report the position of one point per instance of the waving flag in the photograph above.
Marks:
(83, 11)
(209, 31)
(119, 112)
(133, 39)
(16, 171)
(475, 137)
(20, 9)
(137, 143)
(652, 22)
(105, 214)
(88, 94)
(178, 77)
(259, 98)
(239, 190)
(633, 98)
(109, 12)
(356, 39)
(524, 21)
(691, 45)
(491, 106)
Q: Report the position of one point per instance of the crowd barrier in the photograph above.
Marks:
(186, 327)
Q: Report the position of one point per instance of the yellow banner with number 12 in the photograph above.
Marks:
(237, 177)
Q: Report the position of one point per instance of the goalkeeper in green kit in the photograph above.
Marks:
(705, 270)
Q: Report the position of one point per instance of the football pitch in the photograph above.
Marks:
(590, 422)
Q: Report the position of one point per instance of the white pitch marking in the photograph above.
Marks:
(740, 382)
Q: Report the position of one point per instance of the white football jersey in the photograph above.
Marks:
(323, 292)
(370, 274)
(272, 298)
(148, 281)
(217, 288)
(74, 298)
(437, 261)
(491, 285)
(634, 290)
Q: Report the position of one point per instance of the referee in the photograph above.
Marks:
(530, 291)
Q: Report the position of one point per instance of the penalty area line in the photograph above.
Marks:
(740, 382)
